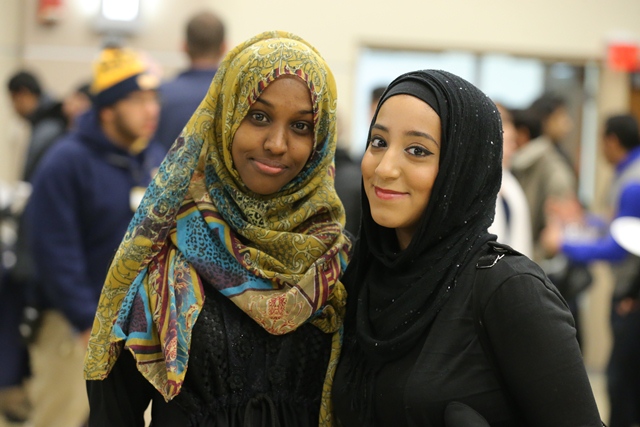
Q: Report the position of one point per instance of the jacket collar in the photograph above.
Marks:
(528, 155)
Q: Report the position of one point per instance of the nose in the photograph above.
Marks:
(388, 167)
(276, 141)
(153, 108)
(152, 114)
(148, 104)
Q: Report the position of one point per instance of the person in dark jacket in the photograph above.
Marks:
(444, 326)
(204, 46)
(47, 123)
(43, 113)
(84, 195)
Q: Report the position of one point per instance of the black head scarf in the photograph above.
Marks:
(395, 295)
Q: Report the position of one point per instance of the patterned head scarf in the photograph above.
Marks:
(278, 257)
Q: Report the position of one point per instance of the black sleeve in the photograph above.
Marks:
(120, 399)
(634, 289)
(533, 337)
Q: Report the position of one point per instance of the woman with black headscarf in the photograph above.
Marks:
(418, 349)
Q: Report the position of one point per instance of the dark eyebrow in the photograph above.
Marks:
(409, 133)
(267, 103)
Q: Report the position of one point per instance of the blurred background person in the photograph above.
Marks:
(543, 173)
(348, 175)
(43, 113)
(47, 122)
(546, 173)
(625, 231)
(512, 223)
(556, 122)
(84, 195)
(571, 278)
(376, 94)
(76, 103)
(527, 124)
(621, 148)
(205, 45)
(347, 182)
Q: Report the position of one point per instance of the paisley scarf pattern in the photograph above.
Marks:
(277, 257)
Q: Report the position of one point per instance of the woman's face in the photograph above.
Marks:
(401, 164)
(275, 139)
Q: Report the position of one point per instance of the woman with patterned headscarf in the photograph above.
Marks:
(446, 327)
(225, 293)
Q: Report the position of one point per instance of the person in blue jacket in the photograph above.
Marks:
(84, 195)
(204, 45)
(621, 147)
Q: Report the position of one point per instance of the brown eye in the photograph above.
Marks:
(377, 142)
(259, 117)
(301, 126)
(418, 151)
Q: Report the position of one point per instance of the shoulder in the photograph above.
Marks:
(631, 189)
(155, 152)
(516, 264)
(502, 270)
(186, 80)
(531, 154)
(69, 146)
(168, 85)
(65, 153)
(49, 126)
(171, 88)
(499, 259)
(629, 200)
(631, 171)
(183, 80)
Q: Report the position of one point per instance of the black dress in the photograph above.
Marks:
(238, 375)
(533, 338)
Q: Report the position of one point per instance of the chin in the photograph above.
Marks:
(385, 220)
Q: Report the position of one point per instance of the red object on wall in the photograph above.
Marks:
(49, 11)
(624, 56)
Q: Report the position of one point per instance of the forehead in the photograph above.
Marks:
(407, 110)
(257, 85)
(288, 87)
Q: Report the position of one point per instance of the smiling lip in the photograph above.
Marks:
(268, 167)
(388, 194)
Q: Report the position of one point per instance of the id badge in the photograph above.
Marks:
(135, 197)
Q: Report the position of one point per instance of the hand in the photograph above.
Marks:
(552, 236)
(626, 306)
(567, 210)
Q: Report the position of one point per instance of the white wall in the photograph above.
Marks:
(12, 131)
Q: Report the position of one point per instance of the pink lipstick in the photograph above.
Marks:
(385, 194)
(269, 167)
